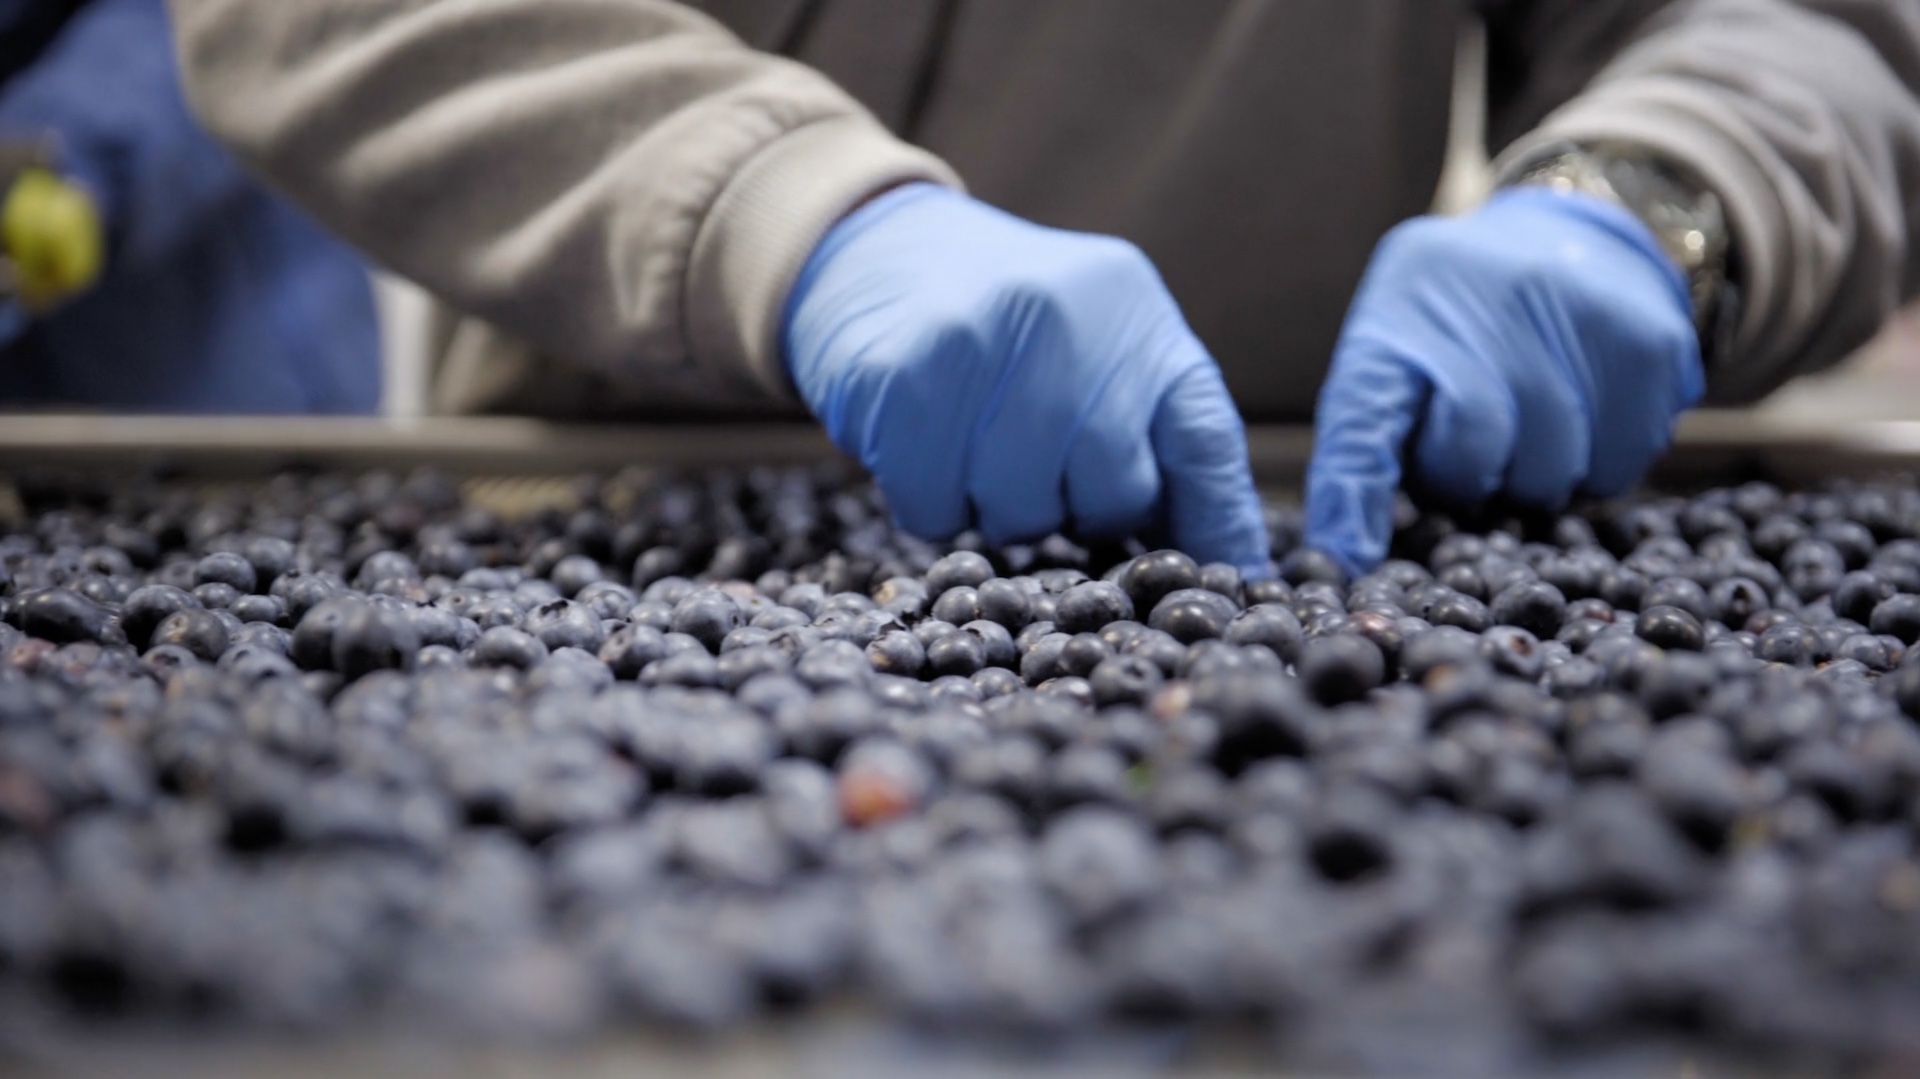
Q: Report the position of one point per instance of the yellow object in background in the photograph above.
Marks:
(52, 237)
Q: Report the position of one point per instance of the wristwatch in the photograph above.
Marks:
(1684, 214)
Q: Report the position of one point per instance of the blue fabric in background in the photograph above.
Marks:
(218, 297)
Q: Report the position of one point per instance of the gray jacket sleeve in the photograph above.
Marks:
(619, 183)
(1804, 115)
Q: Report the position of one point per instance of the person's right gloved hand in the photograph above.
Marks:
(995, 374)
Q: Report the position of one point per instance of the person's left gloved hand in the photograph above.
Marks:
(1541, 347)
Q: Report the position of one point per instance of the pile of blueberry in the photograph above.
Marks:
(325, 749)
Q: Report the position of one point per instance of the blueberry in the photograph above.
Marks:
(1041, 660)
(656, 564)
(1269, 624)
(1442, 646)
(1534, 606)
(566, 624)
(1897, 616)
(1465, 579)
(1512, 650)
(608, 600)
(897, 652)
(505, 646)
(370, 638)
(1812, 568)
(1877, 653)
(956, 654)
(1089, 606)
(997, 682)
(1005, 602)
(999, 644)
(1124, 679)
(1342, 668)
(961, 569)
(1152, 577)
(1735, 600)
(1082, 653)
(1100, 861)
(215, 595)
(1462, 612)
(147, 606)
(957, 605)
(436, 625)
(195, 630)
(1789, 643)
(1679, 685)
(228, 568)
(707, 615)
(58, 615)
(1682, 592)
(1670, 628)
(1192, 614)
(267, 609)
(1307, 564)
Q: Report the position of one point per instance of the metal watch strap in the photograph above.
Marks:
(1685, 216)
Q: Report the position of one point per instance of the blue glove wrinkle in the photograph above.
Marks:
(1019, 379)
(1202, 444)
(1557, 341)
(1553, 414)
(1018, 455)
(1363, 420)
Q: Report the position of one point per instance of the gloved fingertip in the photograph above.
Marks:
(1350, 521)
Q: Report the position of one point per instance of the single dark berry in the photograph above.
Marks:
(1269, 624)
(1534, 606)
(958, 605)
(370, 638)
(1152, 577)
(197, 631)
(957, 654)
(1192, 614)
(146, 607)
(897, 652)
(1307, 564)
(1005, 602)
(968, 569)
(1513, 651)
(1897, 616)
(505, 646)
(1342, 668)
(228, 568)
(1090, 606)
(1670, 628)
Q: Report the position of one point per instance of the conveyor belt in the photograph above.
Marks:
(1712, 446)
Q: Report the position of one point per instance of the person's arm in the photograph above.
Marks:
(1803, 116)
(1543, 346)
(105, 97)
(620, 183)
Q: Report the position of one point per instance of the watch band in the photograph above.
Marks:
(1685, 216)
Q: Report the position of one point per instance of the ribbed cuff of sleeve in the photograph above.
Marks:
(1668, 117)
(766, 223)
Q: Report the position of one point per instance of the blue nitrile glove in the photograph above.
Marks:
(1540, 347)
(995, 374)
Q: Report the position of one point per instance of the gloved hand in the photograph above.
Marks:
(992, 373)
(1542, 346)
(51, 238)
